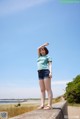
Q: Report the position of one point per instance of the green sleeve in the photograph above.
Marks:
(49, 59)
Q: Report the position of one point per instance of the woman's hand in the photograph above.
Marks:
(50, 75)
(46, 44)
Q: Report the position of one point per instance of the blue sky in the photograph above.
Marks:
(26, 24)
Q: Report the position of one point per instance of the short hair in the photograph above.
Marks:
(46, 50)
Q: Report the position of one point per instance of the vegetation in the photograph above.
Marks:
(14, 110)
(73, 90)
(74, 104)
(57, 99)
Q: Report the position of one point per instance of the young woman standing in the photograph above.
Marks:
(44, 63)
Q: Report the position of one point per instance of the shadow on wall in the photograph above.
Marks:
(62, 110)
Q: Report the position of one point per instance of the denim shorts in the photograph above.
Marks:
(43, 73)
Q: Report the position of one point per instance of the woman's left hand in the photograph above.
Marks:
(50, 75)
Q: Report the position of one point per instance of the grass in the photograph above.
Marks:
(58, 99)
(74, 104)
(14, 111)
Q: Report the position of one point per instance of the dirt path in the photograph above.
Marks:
(73, 112)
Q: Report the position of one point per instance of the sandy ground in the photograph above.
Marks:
(73, 112)
(32, 102)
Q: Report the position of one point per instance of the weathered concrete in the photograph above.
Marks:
(59, 111)
(74, 112)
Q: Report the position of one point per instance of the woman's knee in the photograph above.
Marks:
(42, 90)
(49, 91)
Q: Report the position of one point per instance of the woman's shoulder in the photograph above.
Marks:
(49, 58)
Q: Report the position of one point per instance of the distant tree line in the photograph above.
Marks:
(72, 94)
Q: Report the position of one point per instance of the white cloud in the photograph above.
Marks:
(12, 6)
(30, 92)
(60, 82)
(11, 91)
(19, 92)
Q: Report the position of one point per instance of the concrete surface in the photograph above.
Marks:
(73, 112)
(59, 111)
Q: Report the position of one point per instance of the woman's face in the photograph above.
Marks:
(42, 51)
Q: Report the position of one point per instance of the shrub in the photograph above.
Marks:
(73, 90)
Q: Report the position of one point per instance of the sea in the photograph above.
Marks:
(12, 101)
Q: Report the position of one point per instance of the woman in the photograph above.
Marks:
(44, 63)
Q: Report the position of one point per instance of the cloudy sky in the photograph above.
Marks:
(26, 24)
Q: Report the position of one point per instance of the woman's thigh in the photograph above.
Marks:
(42, 85)
(47, 83)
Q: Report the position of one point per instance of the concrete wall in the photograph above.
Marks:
(59, 111)
(62, 112)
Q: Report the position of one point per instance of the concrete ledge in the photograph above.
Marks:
(59, 111)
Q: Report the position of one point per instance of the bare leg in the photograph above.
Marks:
(47, 82)
(42, 88)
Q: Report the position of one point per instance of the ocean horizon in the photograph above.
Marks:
(12, 101)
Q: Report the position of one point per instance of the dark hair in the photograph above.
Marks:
(46, 50)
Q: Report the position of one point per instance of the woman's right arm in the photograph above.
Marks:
(46, 44)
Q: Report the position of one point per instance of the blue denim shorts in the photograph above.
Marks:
(43, 73)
